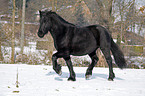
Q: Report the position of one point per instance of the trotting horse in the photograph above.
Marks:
(70, 39)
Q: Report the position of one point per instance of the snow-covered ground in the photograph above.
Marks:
(41, 80)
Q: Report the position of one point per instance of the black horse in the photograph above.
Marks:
(70, 39)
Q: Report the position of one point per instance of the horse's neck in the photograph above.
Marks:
(57, 30)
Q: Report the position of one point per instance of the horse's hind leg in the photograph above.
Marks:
(95, 59)
(108, 58)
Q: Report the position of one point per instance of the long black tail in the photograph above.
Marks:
(118, 55)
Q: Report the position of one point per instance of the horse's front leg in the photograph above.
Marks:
(70, 67)
(56, 66)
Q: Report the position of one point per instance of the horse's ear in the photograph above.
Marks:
(50, 11)
(40, 12)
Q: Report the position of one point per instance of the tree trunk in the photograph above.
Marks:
(13, 34)
(1, 56)
(53, 4)
(23, 26)
(144, 46)
(106, 18)
(101, 10)
(110, 17)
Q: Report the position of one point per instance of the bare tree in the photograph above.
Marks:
(13, 33)
(1, 57)
(105, 16)
(23, 26)
(125, 12)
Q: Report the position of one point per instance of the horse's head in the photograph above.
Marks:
(45, 23)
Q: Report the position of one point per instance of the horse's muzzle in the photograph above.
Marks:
(41, 35)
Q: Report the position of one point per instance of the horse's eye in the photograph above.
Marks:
(44, 20)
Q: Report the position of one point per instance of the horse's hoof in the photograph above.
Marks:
(60, 73)
(109, 79)
(58, 70)
(88, 77)
(71, 79)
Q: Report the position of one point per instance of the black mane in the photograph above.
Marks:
(58, 18)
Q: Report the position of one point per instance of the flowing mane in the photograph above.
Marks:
(59, 18)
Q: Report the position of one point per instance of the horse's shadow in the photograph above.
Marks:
(80, 75)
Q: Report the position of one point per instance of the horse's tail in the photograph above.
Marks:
(118, 55)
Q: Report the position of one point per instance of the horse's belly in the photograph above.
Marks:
(83, 43)
(83, 49)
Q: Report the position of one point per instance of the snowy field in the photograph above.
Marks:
(41, 80)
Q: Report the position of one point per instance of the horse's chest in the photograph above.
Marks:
(61, 44)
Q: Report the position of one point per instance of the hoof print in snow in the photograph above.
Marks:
(56, 90)
(16, 91)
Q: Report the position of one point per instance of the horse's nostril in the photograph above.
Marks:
(40, 35)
